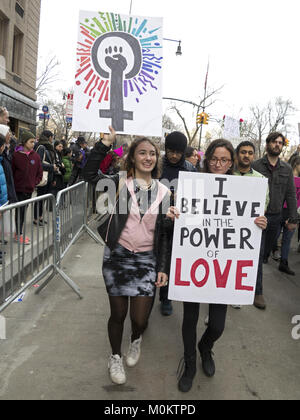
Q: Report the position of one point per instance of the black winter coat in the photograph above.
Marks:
(47, 155)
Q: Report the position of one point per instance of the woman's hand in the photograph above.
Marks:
(173, 213)
(261, 222)
(109, 139)
(162, 280)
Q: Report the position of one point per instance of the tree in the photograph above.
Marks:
(49, 75)
(267, 119)
(57, 122)
(199, 107)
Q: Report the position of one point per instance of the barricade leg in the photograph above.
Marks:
(63, 275)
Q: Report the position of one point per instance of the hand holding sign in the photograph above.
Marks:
(109, 139)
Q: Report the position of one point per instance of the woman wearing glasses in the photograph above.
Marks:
(219, 159)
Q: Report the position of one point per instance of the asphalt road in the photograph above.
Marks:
(57, 346)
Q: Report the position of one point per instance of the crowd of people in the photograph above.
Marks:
(24, 164)
(137, 254)
(138, 244)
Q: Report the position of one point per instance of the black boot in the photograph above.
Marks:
(208, 364)
(186, 381)
(284, 267)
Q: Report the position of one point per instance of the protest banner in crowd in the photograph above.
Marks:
(216, 243)
(118, 79)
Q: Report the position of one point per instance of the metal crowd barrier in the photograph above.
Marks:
(27, 261)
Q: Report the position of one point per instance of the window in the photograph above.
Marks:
(17, 52)
(3, 34)
(19, 9)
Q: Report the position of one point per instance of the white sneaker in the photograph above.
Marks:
(134, 352)
(116, 369)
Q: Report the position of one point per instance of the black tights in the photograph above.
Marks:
(217, 318)
(140, 308)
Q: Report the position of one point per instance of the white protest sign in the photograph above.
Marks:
(232, 130)
(118, 77)
(216, 243)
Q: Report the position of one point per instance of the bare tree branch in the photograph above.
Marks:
(48, 76)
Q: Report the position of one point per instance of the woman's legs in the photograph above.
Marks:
(189, 335)
(140, 309)
(216, 326)
(189, 327)
(215, 329)
(119, 309)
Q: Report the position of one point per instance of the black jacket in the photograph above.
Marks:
(111, 230)
(47, 155)
(281, 185)
(171, 171)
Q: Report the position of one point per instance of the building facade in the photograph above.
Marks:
(19, 37)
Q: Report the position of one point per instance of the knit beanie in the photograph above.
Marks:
(119, 152)
(25, 136)
(176, 141)
(4, 129)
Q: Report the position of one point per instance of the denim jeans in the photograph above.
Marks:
(274, 221)
(287, 237)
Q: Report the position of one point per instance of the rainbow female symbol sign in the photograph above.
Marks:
(118, 77)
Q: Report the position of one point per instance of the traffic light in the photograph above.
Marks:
(203, 118)
(287, 143)
(206, 119)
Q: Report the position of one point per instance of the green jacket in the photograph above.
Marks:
(68, 166)
(256, 174)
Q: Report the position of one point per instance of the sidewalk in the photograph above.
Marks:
(57, 346)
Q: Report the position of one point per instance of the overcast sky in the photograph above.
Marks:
(252, 46)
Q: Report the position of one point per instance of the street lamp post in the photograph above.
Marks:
(179, 49)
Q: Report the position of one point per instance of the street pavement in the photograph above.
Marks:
(57, 348)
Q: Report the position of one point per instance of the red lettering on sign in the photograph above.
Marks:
(240, 275)
(221, 279)
(193, 273)
(178, 281)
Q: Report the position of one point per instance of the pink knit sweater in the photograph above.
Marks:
(138, 234)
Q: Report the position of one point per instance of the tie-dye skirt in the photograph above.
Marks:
(129, 274)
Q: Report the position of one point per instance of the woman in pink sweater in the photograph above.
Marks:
(137, 254)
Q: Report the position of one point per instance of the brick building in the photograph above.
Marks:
(19, 35)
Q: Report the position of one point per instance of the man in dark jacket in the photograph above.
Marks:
(173, 163)
(80, 153)
(282, 189)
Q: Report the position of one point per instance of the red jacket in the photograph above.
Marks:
(27, 170)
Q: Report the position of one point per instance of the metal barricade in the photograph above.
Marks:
(70, 222)
(72, 208)
(28, 251)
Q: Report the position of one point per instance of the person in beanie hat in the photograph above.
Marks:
(111, 164)
(174, 162)
(28, 173)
